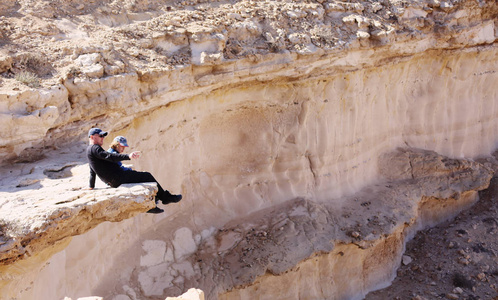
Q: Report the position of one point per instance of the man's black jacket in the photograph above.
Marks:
(104, 164)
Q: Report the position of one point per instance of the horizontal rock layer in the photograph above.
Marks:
(276, 42)
(236, 151)
(285, 130)
(337, 249)
(332, 251)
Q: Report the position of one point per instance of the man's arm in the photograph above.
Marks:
(92, 178)
(100, 153)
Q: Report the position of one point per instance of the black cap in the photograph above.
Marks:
(96, 131)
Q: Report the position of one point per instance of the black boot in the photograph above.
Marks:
(155, 210)
(171, 199)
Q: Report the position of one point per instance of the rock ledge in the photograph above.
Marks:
(42, 209)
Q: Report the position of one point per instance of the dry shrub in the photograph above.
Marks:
(34, 63)
(28, 78)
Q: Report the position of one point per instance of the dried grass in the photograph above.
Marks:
(29, 79)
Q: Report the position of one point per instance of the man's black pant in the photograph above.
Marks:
(138, 177)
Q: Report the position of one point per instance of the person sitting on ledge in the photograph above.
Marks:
(104, 164)
(118, 145)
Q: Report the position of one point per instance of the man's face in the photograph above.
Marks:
(98, 140)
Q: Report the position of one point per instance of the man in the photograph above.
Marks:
(104, 164)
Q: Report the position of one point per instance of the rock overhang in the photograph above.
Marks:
(52, 203)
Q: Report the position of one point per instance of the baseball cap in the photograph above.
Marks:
(121, 140)
(96, 131)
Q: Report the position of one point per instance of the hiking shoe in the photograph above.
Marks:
(172, 199)
(155, 210)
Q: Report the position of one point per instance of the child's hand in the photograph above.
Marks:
(135, 154)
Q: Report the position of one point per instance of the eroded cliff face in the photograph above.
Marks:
(277, 121)
(130, 58)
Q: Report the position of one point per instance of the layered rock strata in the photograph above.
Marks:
(264, 115)
(303, 249)
(130, 60)
(336, 249)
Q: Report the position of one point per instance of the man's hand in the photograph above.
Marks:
(135, 154)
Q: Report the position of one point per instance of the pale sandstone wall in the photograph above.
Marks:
(241, 136)
(237, 151)
(234, 151)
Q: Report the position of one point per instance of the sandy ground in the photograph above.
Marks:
(456, 260)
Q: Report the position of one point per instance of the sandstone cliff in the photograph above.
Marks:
(293, 130)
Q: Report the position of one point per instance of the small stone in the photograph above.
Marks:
(235, 16)
(299, 38)
(457, 290)
(451, 245)
(446, 6)
(406, 260)
(355, 234)
(207, 58)
(463, 261)
(94, 71)
(362, 34)
(376, 6)
(433, 3)
(451, 296)
(481, 276)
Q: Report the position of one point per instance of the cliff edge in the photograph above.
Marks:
(43, 204)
